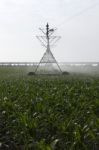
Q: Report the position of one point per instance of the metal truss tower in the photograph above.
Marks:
(48, 63)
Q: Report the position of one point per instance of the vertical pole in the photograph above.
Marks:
(47, 36)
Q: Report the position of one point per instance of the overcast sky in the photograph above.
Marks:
(77, 22)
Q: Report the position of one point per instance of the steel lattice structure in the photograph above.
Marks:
(48, 61)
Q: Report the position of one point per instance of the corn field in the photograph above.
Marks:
(48, 112)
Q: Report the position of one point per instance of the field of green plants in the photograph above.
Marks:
(48, 112)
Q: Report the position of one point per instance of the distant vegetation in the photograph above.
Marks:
(48, 112)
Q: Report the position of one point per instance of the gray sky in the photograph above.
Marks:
(20, 20)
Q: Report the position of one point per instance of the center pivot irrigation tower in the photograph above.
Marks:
(48, 63)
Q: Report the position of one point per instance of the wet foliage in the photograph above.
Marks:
(49, 113)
